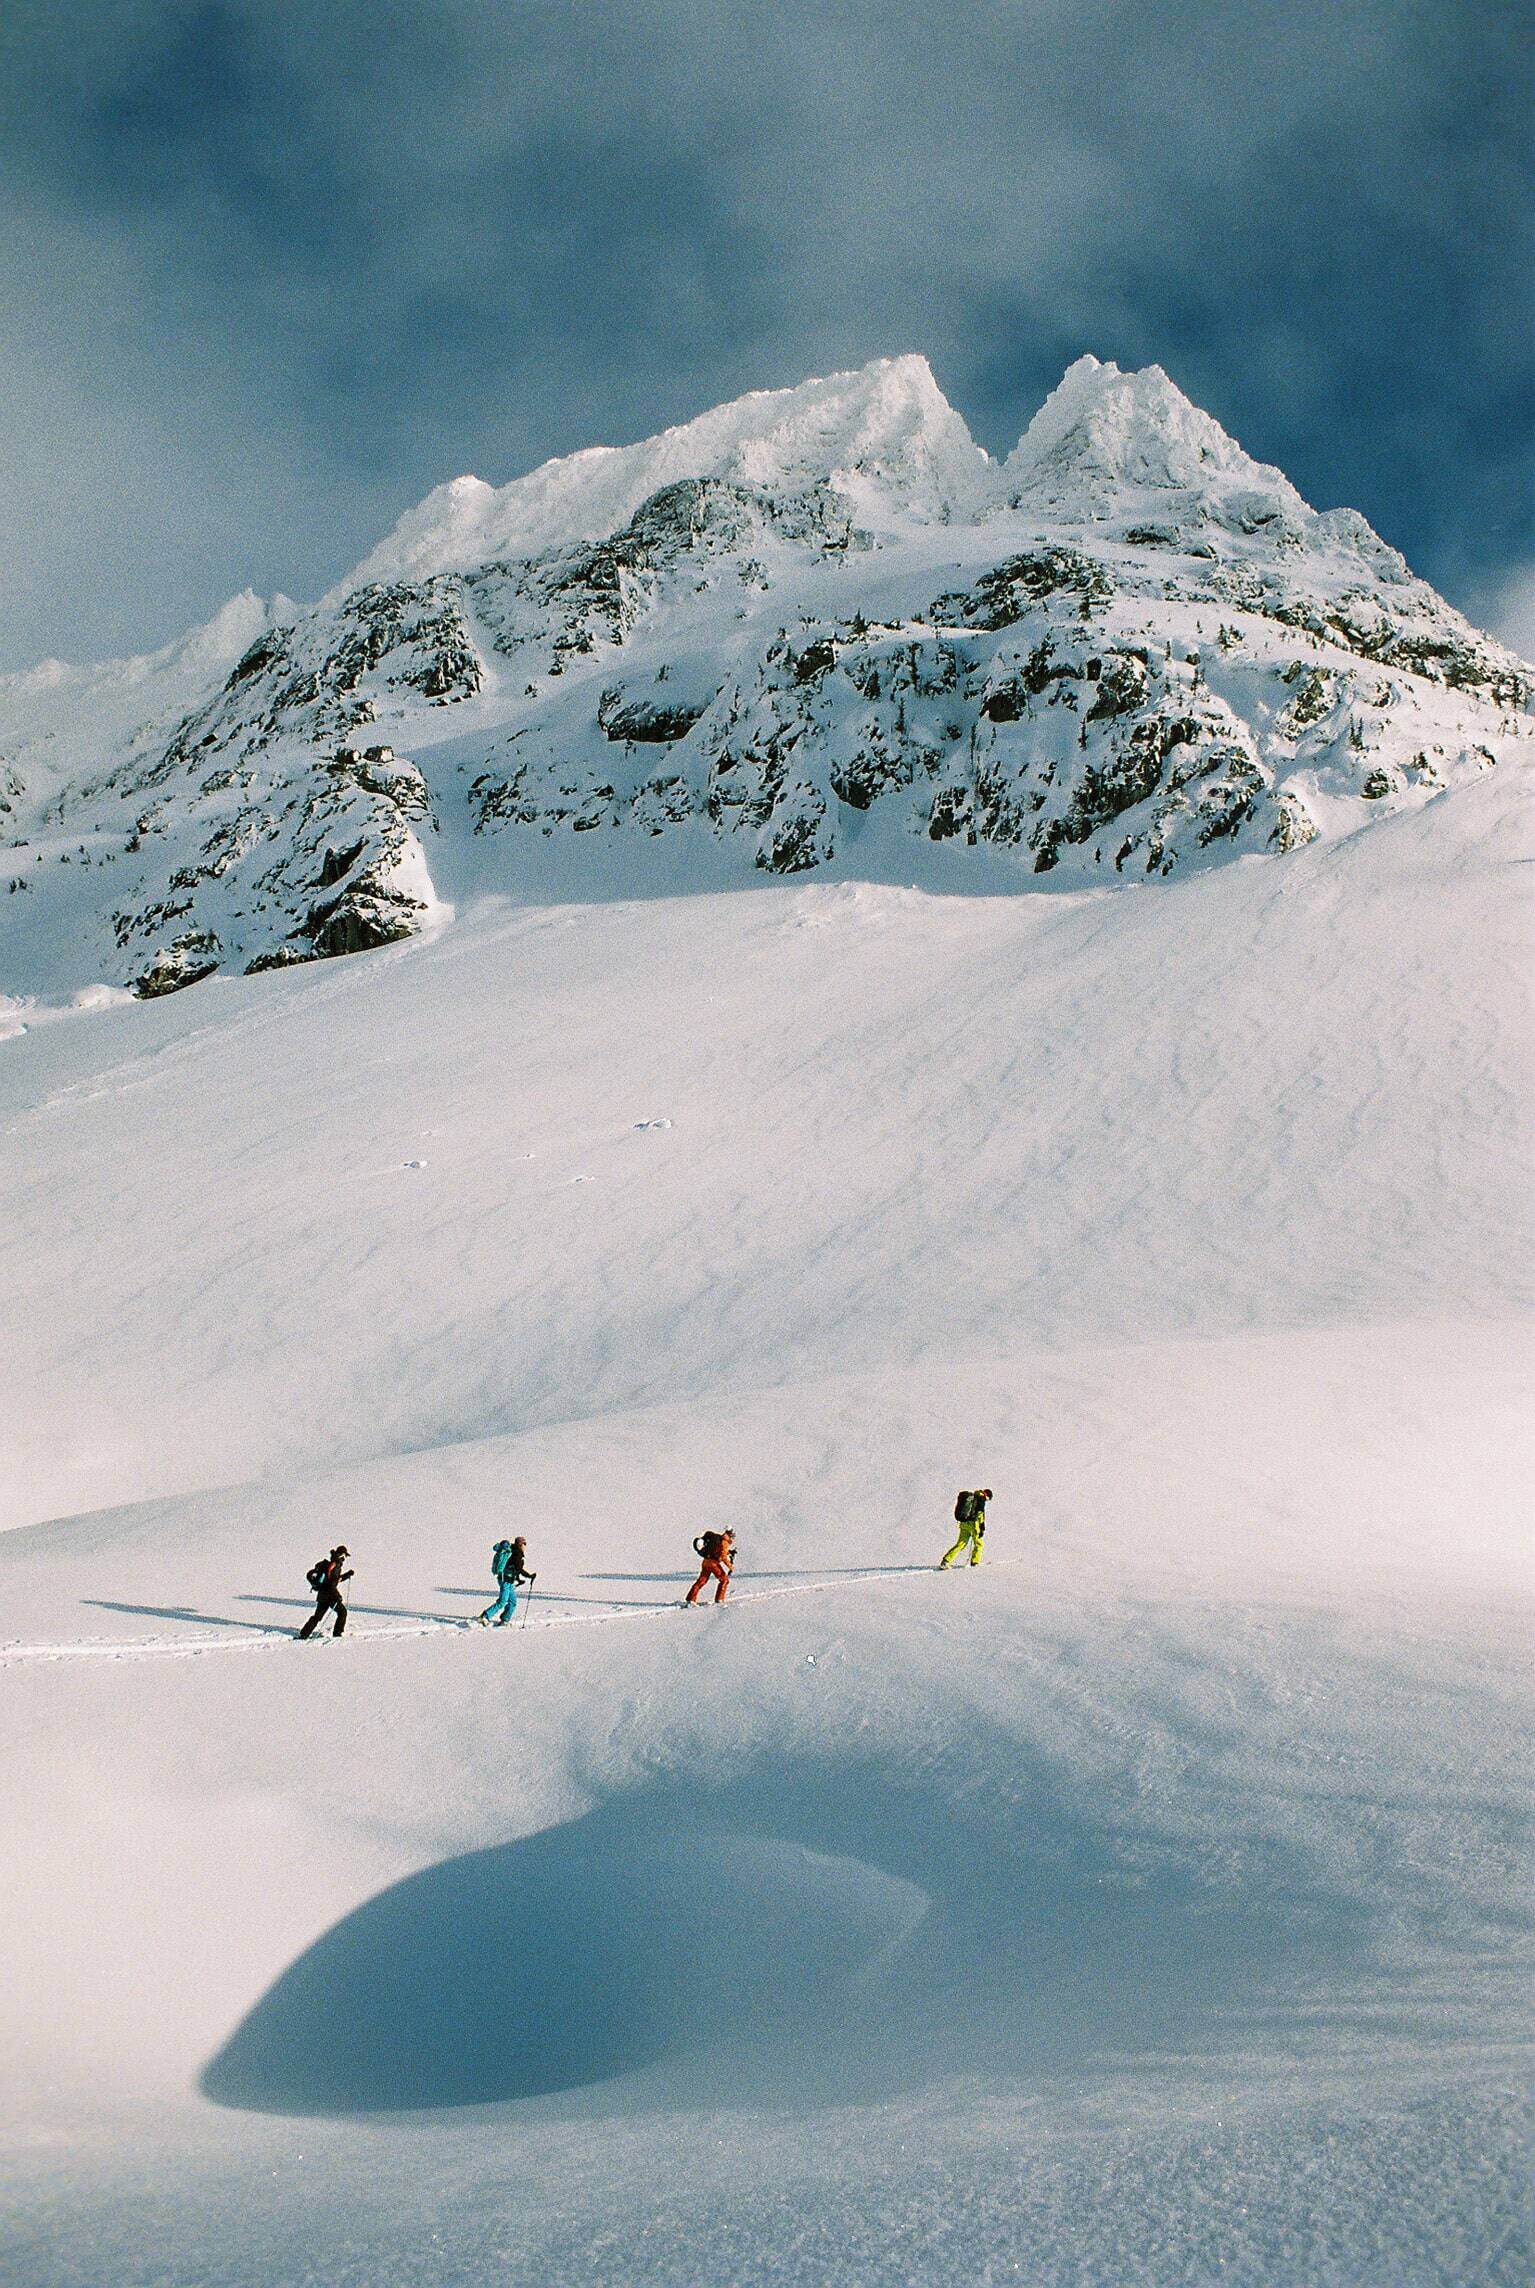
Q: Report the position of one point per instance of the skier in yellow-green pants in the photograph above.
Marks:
(970, 1516)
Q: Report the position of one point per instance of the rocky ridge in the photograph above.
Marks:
(819, 628)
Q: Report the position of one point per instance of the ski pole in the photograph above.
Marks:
(527, 1601)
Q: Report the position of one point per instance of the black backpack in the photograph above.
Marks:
(317, 1572)
(967, 1509)
(710, 1545)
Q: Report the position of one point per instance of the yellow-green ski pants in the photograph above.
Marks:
(972, 1533)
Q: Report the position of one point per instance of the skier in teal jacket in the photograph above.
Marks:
(509, 1564)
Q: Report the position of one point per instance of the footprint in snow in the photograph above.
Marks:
(652, 1124)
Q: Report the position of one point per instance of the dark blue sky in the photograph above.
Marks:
(273, 270)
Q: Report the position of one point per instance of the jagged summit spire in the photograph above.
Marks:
(883, 436)
(1103, 429)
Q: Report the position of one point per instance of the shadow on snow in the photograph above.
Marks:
(743, 1578)
(802, 1936)
(185, 1613)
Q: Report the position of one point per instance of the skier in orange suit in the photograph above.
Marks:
(717, 1555)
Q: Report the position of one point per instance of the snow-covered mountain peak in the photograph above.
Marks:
(216, 644)
(1102, 431)
(816, 627)
(232, 630)
(884, 438)
(441, 531)
(884, 430)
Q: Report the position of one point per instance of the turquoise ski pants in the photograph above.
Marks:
(504, 1607)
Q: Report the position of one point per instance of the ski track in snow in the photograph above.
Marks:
(190, 1648)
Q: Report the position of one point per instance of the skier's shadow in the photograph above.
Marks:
(803, 1573)
(560, 1596)
(185, 1613)
(854, 1910)
(376, 1612)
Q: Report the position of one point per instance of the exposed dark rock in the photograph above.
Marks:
(797, 845)
(647, 722)
(869, 772)
(1004, 594)
(187, 961)
(280, 957)
(1295, 826)
(1108, 788)
(814, 660)
(950, 814)
(356, 924)
(1122, 686)
(339, 863)
(266, 652)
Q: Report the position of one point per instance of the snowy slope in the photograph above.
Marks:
(446, 1209)
(815, 630)
(1149, 1906)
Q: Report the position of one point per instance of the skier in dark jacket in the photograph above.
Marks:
(325, 1578)
(509, 1563)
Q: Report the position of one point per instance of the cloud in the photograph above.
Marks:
(283, 269)
(1509, 610)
